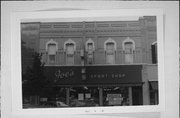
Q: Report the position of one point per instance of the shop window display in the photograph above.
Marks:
(115, 96)
(84, 96)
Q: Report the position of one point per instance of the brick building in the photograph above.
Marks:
(98, 63)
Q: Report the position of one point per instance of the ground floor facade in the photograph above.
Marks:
(90, 86)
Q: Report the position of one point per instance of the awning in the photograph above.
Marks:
(153, 85)
(98, 85)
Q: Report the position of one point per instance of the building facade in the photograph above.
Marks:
(103, 63)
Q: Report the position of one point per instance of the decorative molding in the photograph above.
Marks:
(90, 41)
(90, 30)
(118, 25)
(110, 40)
(128, 40)
(51, 41)
(76, 26)
(45, 25)
(92, 25)
(102, 25)
(61, 26)
(154, 43)
(70, 42)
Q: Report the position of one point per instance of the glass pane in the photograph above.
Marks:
(128, 47)
(70, 59)
(51, 49)
(84, 96)
(129, 58)
(51, 59)
(70, 48)
(115, 96)
(110, 58)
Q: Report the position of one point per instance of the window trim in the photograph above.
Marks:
(90, 41)
(51, 41)
(154, 55)
(128, 40)
(110, 40)
(69, 41)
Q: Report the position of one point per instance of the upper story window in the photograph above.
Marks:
(110, 49)
(51, 49)
(129, 47)
(154, 52)
(90, 51)
(69, 48)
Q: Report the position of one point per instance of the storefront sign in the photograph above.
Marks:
(111, 74)
(64, 75)
(100, 76)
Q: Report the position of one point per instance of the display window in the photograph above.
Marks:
(84, 96)
(115, 96)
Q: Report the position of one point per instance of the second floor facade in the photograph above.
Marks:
(97, 43)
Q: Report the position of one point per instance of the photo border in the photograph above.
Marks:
(80, 15)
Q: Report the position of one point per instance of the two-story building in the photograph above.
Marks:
(98, 63)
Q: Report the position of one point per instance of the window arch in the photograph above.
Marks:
(90, 50)
(154, 52)
(128, 47)
(110, 49)
(51, 49)
(69, 48)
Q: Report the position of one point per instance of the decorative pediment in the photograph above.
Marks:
(110, 40)
(90, 41)
(154, 43)
(126, 41)
(69, 41)
(51, 41)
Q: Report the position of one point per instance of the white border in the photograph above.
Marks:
(82, 15)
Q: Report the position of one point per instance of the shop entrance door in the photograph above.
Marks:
(137, 95)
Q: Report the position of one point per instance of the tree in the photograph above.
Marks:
(34, 80)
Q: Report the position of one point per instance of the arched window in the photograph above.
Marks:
(110, 49)
(90, 51)
(154, 52)
(128, 47)
(51, 49)
(69, 48)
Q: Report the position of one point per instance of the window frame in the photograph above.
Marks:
(127, 40)
(110, 40)
(69, 41)
(93, 49)
(51, 41)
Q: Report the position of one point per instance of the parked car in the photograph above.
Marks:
(54, 104)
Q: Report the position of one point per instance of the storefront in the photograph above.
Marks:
(78, 86)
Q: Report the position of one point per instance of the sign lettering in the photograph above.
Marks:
(99, 76)
(64, 75)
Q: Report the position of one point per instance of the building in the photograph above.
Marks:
(102, 63)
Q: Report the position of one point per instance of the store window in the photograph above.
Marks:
(90, 51)
(154, 52)
(128, 47)
(115, 96)
(53, 97)
(70, 47)
(84, 96)
(51, 48)
(110, 49)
